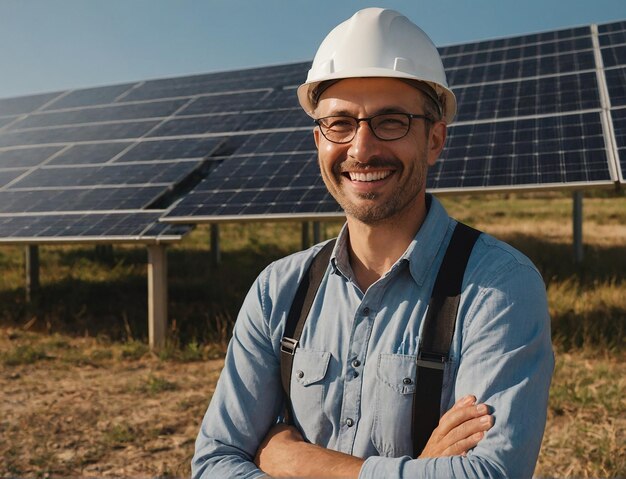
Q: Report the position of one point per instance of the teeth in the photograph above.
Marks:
(371, 176)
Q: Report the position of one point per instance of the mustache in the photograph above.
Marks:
(352, 165)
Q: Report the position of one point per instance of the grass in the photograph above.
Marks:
(90, 314)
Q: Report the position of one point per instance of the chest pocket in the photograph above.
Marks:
(308, 389)
(395, 387)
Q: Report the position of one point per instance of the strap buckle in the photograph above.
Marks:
(288, 345)
(431, 360)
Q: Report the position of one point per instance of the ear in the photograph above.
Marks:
(316, 137)
(436, 141)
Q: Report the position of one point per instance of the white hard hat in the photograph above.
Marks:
(377, 42)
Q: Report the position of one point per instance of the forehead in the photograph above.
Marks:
(367, 96)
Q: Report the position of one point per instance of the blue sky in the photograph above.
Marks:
(51, 45)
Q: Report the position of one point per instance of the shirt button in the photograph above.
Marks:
(407, 381)
(366, 311)
(300, 374)
(349, 422)
(356, 363)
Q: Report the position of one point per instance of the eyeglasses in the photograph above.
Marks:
(385, 126)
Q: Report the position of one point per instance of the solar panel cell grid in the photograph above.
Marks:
(7, 176)
(528, 97)
(541, 151)
(170, 149)
(26, 157)
(231, 102)
(101, 199)
(615, 38)
(24, 104)
(517, 69)
(7, 120)
(279, 99)
(136, 111)
(612, 27)
(295, 118)
(619, 125)
(89, 153)
(221, 123)
(267, 77)
(107, 175)
(511, 54)
(71, 134)
(90, 96)
(281, 142)
(614, 56)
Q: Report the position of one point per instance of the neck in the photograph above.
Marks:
(374, 248)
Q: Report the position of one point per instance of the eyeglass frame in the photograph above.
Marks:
(368, 120)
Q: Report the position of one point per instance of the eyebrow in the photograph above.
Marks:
(382, 111)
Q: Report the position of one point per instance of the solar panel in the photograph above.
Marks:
(90, 96)
(171, 149)
(88, 153)
(77, 199)
(87, 227)
(619, 125)
(26, 157)
(533, 113)
(612, 39)
(7, 176)
(78, 133)
(538, 151)
(225, 103)
(98, 175)
(115, 113)
(529, 117)
(24, 104)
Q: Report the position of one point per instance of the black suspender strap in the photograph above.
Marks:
(437, 334)
(302, 302)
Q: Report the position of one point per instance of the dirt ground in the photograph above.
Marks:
(106, 413)
(81, 407)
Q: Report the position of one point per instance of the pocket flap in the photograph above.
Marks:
(397, 371)
(309, 366)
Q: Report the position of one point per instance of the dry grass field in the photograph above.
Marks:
(81, 395)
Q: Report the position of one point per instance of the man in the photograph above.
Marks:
(378, 92)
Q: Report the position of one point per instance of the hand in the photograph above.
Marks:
(459, 429)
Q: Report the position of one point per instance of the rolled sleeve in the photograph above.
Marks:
(247, 398)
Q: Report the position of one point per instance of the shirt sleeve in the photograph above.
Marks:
(506, 361)
(247, 399)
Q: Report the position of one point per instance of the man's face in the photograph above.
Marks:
(375, 180)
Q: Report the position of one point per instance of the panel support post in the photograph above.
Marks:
(31, 265)
(306, 238)
(216, 254)
(317, 232)
(157, 295)
(577, 222)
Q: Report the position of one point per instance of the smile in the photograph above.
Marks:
(369, 176)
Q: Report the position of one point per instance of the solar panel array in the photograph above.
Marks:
(543, 110)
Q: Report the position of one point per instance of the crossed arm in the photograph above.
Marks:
(284, 453)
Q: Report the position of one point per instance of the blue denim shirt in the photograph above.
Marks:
(357, 347)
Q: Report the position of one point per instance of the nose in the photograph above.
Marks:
(364, 145)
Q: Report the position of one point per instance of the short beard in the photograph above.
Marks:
(387, 211)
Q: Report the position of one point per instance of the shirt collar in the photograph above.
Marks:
(428, 241)
(340, 260)
(420, 253)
